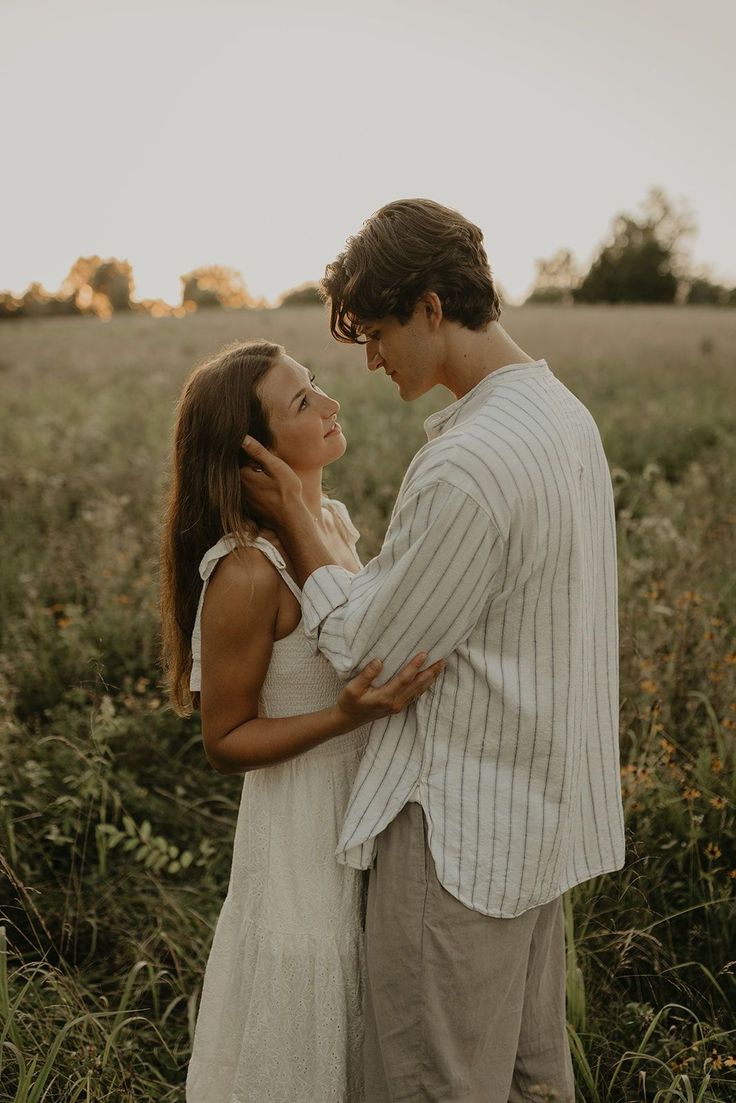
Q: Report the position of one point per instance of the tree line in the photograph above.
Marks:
(643, 260)
(104, 286)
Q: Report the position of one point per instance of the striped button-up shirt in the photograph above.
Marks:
(501, 558)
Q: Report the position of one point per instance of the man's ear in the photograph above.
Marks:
(431, 306)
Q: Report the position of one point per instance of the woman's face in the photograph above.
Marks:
(302, 418)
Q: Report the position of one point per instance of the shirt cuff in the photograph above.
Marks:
(324, 591)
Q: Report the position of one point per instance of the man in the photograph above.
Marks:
(500, 789)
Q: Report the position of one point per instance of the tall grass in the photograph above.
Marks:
(116, 835)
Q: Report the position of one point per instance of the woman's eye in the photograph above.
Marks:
(303, 403)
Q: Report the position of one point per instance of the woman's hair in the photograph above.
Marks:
(218, 407)
(409, 247)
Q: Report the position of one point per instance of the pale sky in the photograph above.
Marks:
(258, 134)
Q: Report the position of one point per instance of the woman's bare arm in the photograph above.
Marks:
(238, 620)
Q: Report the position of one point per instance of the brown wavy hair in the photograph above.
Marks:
(218, 407)
(409, 247)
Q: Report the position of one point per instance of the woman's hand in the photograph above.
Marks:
(273, 490)
(361, 701)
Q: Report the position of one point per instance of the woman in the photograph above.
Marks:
(280, 1014)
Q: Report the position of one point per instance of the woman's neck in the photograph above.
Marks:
(312, 493)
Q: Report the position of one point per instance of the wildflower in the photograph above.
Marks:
(717, 622)
(729, 1062)
(729, 723)
(718, 802)
(731, 658)
(689, 597)
(667, 747)
(715, 1060)
(715, 764)
(709, 635)
(63, 622)
(657, 727)
(713, 850)
(691, 794)
(732, 874)
(124, 599)
(715, 676)
(648, 686)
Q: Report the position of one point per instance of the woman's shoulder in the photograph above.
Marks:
(244, 579)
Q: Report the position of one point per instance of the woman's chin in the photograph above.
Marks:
(338, 447)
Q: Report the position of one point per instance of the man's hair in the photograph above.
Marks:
(409, 247)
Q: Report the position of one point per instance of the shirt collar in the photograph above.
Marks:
(464, 407)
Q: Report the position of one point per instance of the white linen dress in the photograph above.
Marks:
(280, 1015)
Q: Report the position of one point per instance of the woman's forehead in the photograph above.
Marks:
(284, 379)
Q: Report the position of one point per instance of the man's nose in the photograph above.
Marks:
(373, 358)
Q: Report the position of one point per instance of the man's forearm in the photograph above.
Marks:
(305, 547)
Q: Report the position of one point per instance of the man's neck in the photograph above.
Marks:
(474, 354)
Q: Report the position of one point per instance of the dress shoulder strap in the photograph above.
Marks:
(275, 557)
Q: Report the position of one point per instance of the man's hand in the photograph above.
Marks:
(274, 491)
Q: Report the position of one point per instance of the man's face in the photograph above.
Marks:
(407, 353)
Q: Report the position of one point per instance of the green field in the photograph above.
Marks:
(115, 833)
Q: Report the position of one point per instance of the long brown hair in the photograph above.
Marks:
(408, 247)
(218, 407)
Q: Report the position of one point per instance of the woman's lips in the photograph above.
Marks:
(335, 429)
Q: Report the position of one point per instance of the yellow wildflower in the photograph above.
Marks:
(691, 794)
(713, 850)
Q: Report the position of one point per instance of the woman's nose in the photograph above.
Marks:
(333, 406)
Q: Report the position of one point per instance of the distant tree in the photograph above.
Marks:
(99, 286)
(644, 260)
(10, 306)
(37, 302)
(702, 290)
(307, 294)
(214, 285)
(557, 278)
(114, 278)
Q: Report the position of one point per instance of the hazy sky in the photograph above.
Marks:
(259, 133)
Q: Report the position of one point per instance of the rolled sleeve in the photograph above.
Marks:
(424, 591)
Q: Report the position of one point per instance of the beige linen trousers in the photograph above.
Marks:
(461, 1007)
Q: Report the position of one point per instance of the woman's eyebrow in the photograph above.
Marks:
(303, 391)
(298, 395)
